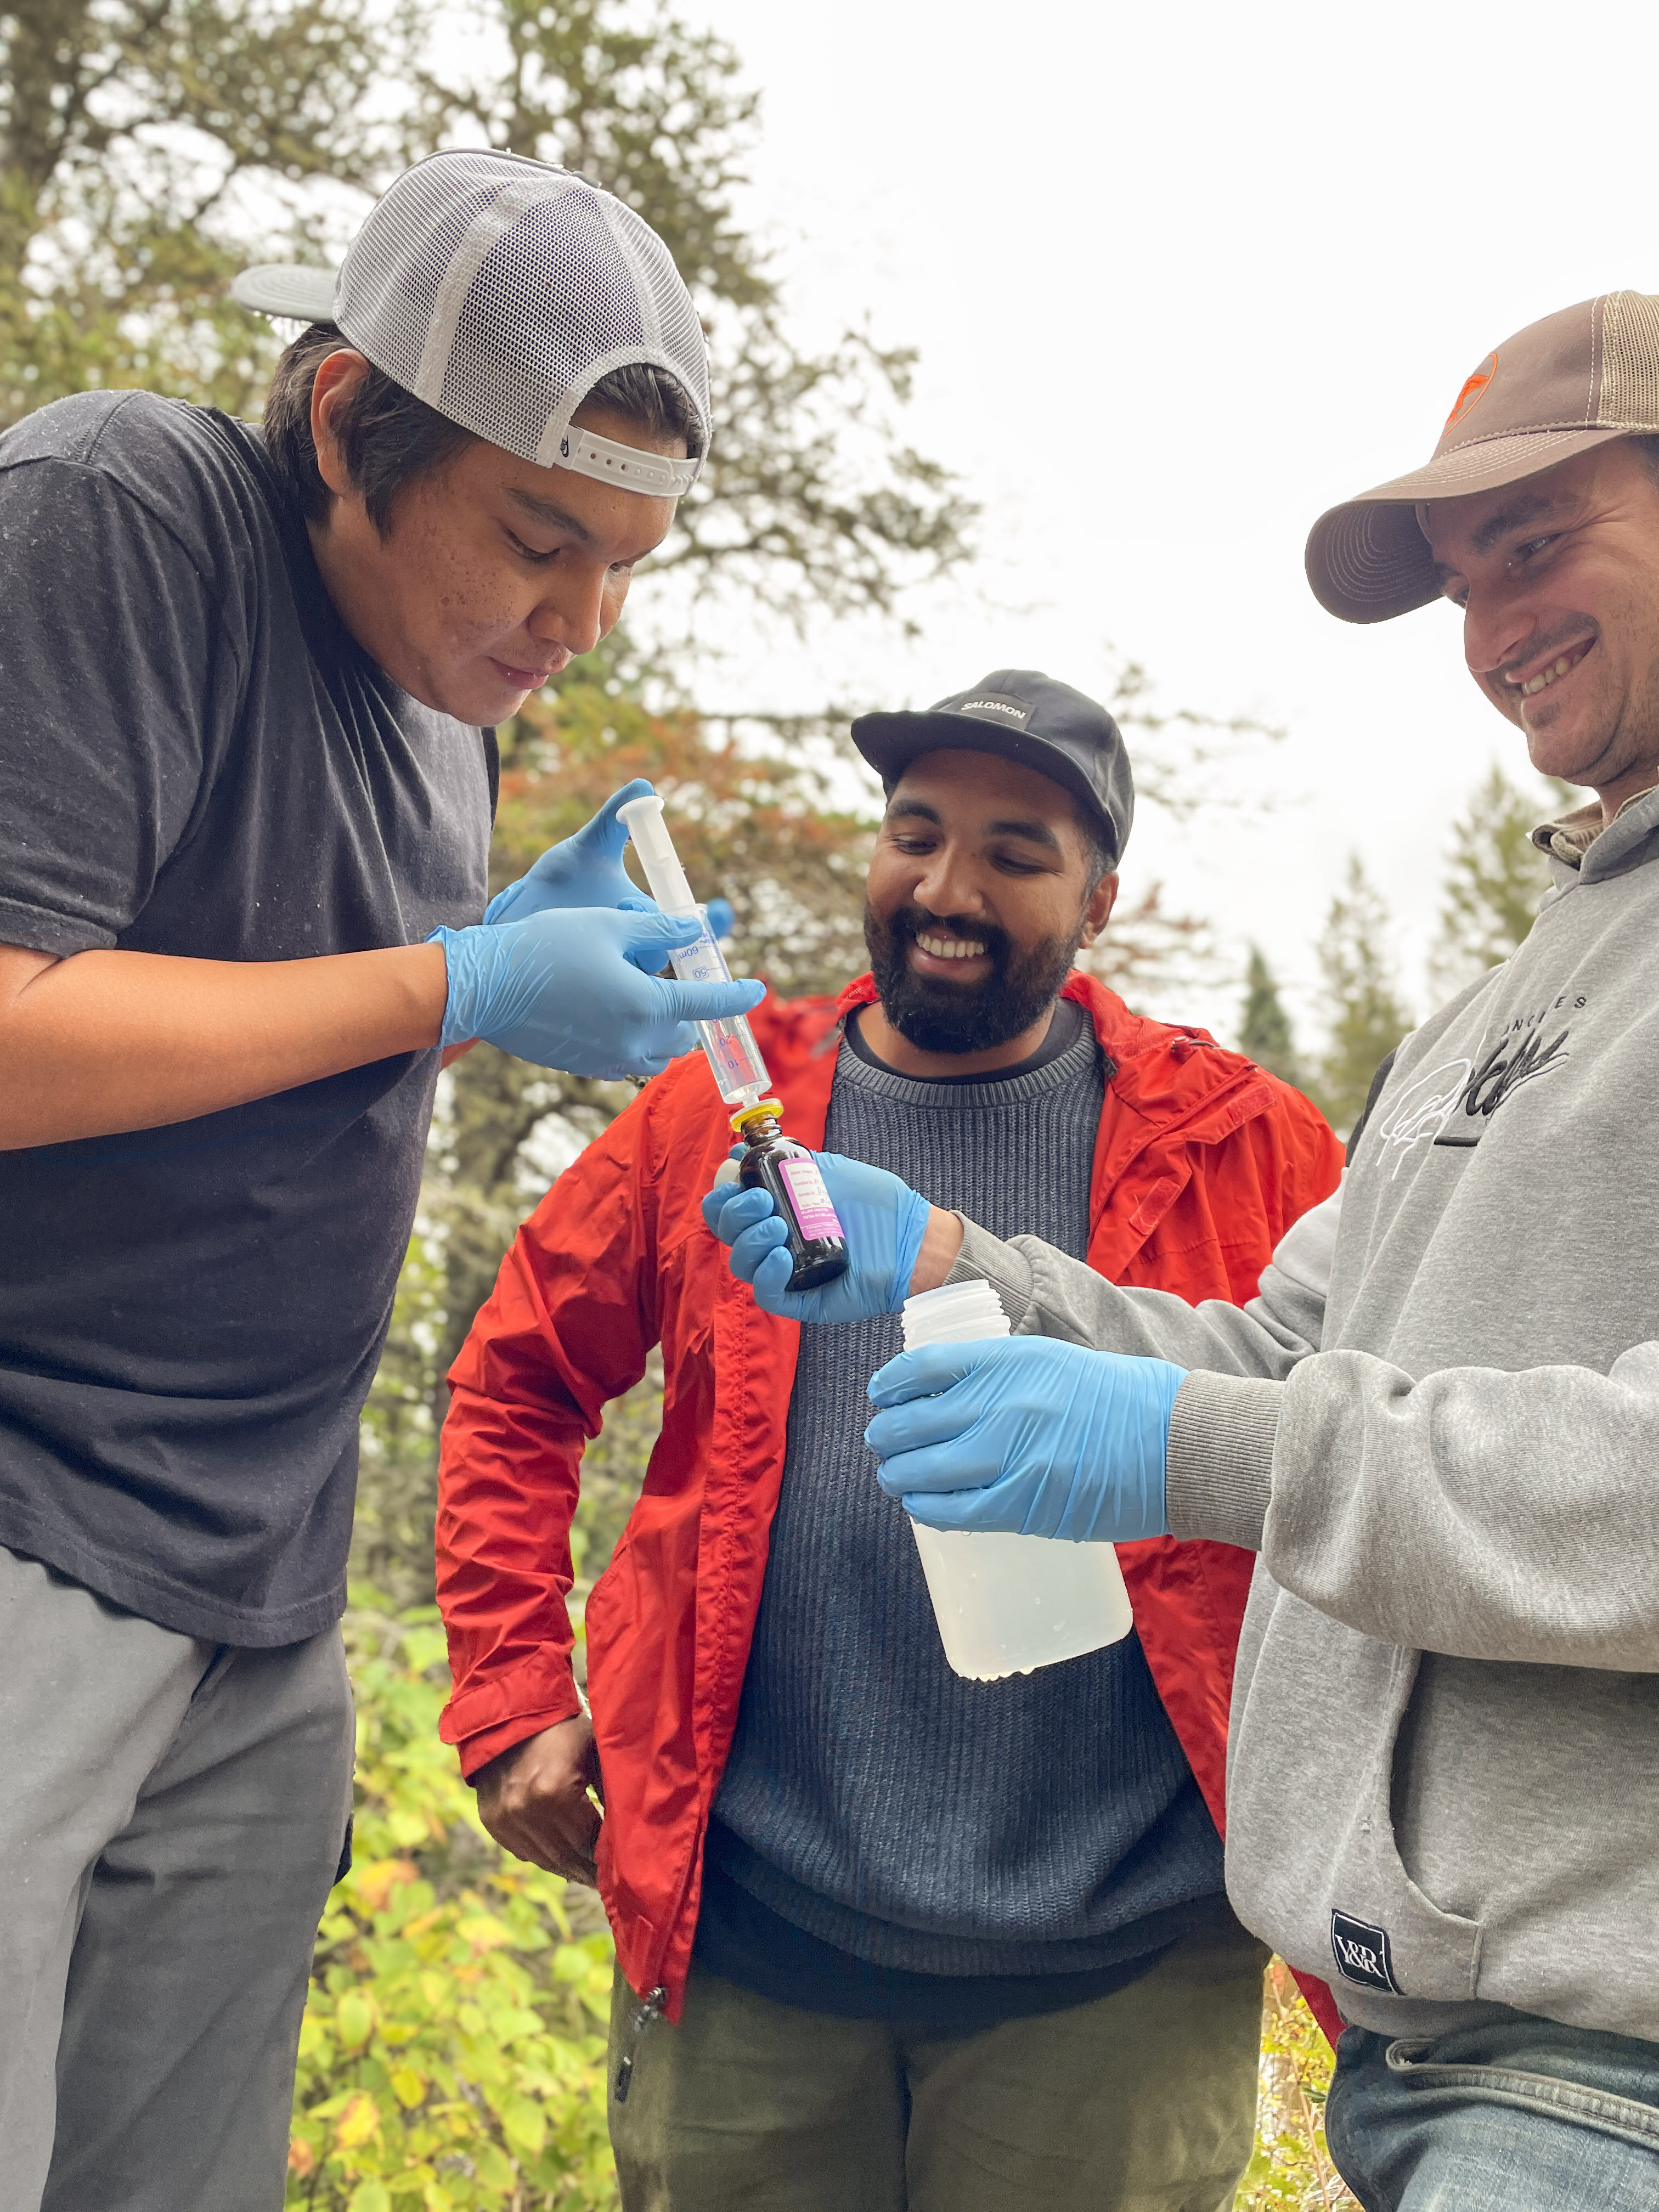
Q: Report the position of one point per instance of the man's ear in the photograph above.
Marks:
(1098, 912)
(339, 377)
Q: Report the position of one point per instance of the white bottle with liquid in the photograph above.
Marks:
(1007, 1604)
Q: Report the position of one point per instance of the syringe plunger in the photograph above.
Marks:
(643, 819)
(729, 1042)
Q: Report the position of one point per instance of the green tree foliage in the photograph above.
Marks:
(149, 148)
(131, 133)
(790, 507)
(1265, 1027)
(1366, 1016)
(1495, 877)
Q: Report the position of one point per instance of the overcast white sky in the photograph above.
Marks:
(1182, 277)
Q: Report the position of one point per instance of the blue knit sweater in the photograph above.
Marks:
(1045, 1824)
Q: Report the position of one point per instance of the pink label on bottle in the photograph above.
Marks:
(813, 1211)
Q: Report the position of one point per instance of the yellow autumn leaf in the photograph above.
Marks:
(483, 1932)
(359, 2122)
(301, 2158)
(372, 1885)
(408, 2087)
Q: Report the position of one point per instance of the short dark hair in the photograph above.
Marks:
(389, 437)
(1099, 856)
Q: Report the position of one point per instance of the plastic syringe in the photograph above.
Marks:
(730, 1043)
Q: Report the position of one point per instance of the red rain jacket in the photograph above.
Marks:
(1202, 1162)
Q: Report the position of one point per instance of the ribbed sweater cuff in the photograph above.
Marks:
(1218, 1469)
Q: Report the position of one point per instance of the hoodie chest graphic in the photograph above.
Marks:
(1454, 1102)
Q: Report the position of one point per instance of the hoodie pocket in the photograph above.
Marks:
(1424, 1951)
(1312, 1862)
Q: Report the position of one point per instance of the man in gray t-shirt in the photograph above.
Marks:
(247, 774)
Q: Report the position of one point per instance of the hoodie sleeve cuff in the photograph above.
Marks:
(1218, 1468)
(986, 1259)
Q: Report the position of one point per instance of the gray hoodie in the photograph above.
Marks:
(1438, 1425)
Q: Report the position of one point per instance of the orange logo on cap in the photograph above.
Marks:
(1472, 390)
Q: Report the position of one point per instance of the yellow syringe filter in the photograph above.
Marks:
(771, 1109)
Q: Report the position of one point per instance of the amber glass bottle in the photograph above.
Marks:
(777, 1163)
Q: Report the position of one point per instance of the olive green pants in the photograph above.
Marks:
(1142, 2101)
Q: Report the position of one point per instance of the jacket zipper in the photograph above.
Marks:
(649, 2010)
(654, 2004)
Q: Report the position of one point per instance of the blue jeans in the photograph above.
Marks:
(1525, 2116)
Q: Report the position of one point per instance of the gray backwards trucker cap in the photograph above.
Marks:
(1025, 717)
(501, 291)
(1580, 377)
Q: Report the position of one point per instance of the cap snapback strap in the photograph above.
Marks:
(654, 475)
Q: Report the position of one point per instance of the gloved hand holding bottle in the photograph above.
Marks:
(576, 988)
(882, 1219)
(1028, 1435)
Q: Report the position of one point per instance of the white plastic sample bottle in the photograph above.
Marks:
(729, 1042)
(1007, 1604)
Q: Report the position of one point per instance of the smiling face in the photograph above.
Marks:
(981, 889)
(1557, 577)
(494, 575)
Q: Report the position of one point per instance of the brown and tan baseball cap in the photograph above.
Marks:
(1557, 388)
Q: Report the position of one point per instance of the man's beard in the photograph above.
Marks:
(937, 1016)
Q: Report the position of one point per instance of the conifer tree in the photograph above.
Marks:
(1265, 1031)
(1495, 877)
(1367, 1016)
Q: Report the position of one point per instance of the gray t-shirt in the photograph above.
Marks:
(196, 759)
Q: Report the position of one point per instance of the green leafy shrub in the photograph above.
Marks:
(1292, 2169)
(452, 2054)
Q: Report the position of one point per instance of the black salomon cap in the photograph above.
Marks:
(1025, 717)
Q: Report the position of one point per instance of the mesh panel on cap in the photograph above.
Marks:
(502, 290)
(391, 276)
(1630, 360)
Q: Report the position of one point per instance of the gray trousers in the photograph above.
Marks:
(170, 1818)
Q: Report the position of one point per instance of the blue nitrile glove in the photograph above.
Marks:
(722, 916)
(575, 989)
(1026, 1434)
(586, 869)
(884, 1220)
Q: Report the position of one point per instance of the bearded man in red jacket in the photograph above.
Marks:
(885, 1937)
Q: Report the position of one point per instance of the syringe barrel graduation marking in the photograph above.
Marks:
(735, 1057)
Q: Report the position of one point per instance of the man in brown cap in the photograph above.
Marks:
(1438, 1426)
